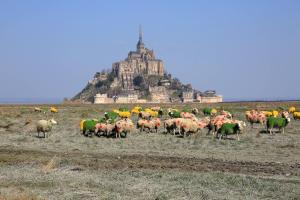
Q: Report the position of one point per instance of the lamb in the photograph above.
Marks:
(44, 126)
(123, 126)
(296, 115)
(277, 122)
(230, 128)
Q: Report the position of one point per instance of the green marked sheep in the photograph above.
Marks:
(277, 122)
(230, 128)
(89, 127)
(111, 115)
(174, 114)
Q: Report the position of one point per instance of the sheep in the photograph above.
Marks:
(188, 126)
(136, 110)
(226, 113)
(215, 123)
(123, 126)
(144, 115)
(111, 115)
(230, 128)
(209, 111)
(151, 112)
(124, 114)
(277, 122)
(149, 124)
(174, 114)
(145, 124)
(254, 117)
(53, 110)
(157, 108)
(195, 111)
(89, 127)
(105, 128)
(44, 126)
(296, 115)
(202, 123)
(292, 109)
(37, 109)
(170, 125)
(187, 115)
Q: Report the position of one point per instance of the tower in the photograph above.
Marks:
(140, 47)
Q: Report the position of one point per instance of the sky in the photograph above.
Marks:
(243, 49)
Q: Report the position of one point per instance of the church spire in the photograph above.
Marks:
(140, 45)
(140, 33)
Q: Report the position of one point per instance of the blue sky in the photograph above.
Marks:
(243, 49)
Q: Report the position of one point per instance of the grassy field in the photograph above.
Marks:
(157, 166)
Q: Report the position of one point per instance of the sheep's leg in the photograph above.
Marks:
(238, 138)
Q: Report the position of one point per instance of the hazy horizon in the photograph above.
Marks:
(245, 50)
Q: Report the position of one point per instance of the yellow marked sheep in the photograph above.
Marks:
(292, 109)
(124, 114)
(53, 110)
(296, 115)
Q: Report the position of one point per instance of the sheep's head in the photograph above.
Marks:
(53, 121)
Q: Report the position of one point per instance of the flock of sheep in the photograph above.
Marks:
(186, 122)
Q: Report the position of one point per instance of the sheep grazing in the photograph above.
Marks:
(123, 126)
(255, 117)
(296, 115)
(230, 128)
(44, 126)
(292, 109)
(277, 122)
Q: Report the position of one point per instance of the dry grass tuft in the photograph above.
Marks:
(50, 166)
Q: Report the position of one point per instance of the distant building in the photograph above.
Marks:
(142, 61)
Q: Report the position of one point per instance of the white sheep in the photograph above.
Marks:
(44, 126)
